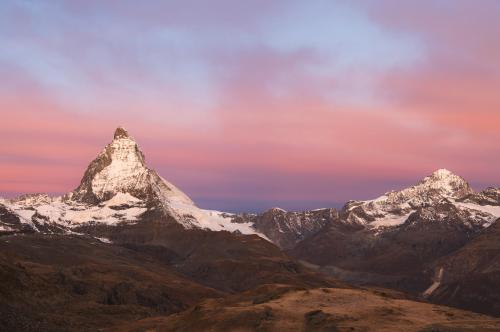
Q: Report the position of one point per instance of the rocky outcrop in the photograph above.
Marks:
(286, 229)
(489, 196)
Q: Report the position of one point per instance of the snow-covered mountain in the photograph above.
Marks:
(441, 187)
(440, 197)
(117, 188)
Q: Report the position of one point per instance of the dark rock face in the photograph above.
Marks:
(10, 223)
(286, 229)
(489, 196)
(120, 132)
(8, 217)
(84, 191)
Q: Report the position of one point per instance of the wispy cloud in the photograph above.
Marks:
(274, 102)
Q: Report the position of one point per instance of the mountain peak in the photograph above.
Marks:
(121, 169)
(441, 183)
(445, 179)
(442, 173)
(394, 207)
(121, 132)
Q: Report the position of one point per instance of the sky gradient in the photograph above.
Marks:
(249, 105)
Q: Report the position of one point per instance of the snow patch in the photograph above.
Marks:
(72, 214)
(122, 199)
(5, 228)
(218, 221)
(435, 284)
(193, 216)
(104, 240)
(390, 221)
(491, 210)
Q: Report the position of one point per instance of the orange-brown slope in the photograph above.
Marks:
(322, 309)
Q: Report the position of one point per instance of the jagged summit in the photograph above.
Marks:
(441, 184)
(121, 168)
(394, 207)
(443, 174)
(120, 132)
(445, 183)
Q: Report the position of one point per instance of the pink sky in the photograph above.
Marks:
(299, 105)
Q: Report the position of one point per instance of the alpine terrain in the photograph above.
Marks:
(128, 251)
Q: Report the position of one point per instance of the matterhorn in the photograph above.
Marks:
(117, 189)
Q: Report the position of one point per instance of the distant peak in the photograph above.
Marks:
(120, 132)
(443, 176)
(447, 182)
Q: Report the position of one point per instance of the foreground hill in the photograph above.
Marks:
(70, 282)
(61, 283)
(323, 309)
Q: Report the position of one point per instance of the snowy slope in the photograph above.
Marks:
(120, 208)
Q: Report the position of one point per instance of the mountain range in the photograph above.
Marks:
(127, 250)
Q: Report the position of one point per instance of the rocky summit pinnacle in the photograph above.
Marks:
(446, 183)
(121, 168)
(120, 132)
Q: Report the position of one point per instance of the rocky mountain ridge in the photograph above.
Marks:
(118, 189)
(394, 208)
